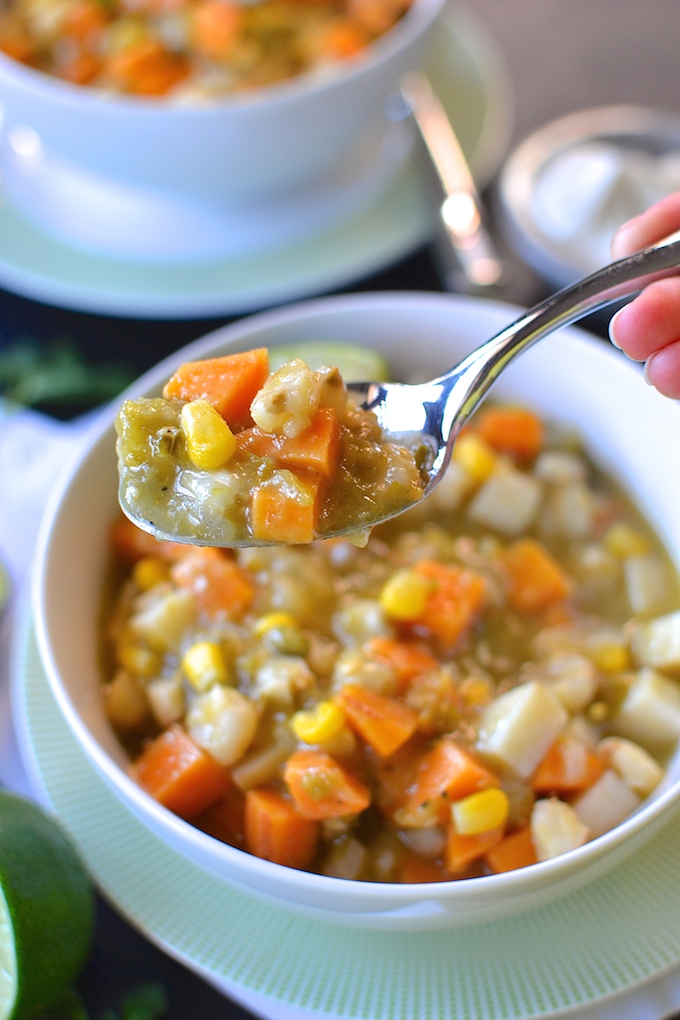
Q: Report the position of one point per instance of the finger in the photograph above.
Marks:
(650, 322)
(662, 370)
(657, 222)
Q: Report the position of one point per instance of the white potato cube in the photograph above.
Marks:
(262, 765)
(657, 642)
(648, 583)
(558, 467)
(650, 712)
(508, 502)
(288, 400)
(163, 618)
(607, 803)
(452, 489)
(280, 677)
(632, 763)
(223, 722)
(568, 510)
(572, 678)
(518, 727)
(167, 700)
(556, 828)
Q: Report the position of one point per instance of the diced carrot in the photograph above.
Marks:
(536, 579)
(84, 21)
(380, 721)
(16, 41)
(462, 851)
(343, 39)
(395, 775)
(228, 383)
(454, 604)
(130, 543)
(225, 820)
(180, 774)
(568, 767)
(81, 67)
(375, 15)
(407, 658)
(512, 430)
(513, 851)
(146, 68)
(412, 868)
(276, 831)
(322, 788)
(215, 27)
(220, 587)
(446, 773)
(314, 449)
(286, 514)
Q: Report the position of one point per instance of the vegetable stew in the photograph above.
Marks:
(491, 681)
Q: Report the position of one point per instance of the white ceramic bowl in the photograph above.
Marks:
(629, 429)
(145, 178)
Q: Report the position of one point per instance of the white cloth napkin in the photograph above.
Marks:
(33, 450)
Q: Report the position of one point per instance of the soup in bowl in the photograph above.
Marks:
(469, 715)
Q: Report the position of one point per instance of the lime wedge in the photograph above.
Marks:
(355, 362)
(46, 910)
(4, 586)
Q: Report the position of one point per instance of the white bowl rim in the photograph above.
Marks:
(397, 895)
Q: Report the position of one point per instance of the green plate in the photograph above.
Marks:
(616, 933)
(469, 74)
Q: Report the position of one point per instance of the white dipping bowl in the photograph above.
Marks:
(629, 429)
(146, 178)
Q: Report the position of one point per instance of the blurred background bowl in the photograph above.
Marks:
(134, 176)
(563, 379)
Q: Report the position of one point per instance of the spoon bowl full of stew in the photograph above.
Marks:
(240, 452)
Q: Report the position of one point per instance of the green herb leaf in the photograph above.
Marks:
(57, 374)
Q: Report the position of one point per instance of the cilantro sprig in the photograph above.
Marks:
(145, 1002)
(57, 375)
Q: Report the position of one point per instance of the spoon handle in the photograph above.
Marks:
(471, 379)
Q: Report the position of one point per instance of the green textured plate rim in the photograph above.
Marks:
(617, 933)
(469, 73)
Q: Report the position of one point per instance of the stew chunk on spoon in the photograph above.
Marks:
(234, 453)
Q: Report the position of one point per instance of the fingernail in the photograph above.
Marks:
(645, 372)
(612, 329)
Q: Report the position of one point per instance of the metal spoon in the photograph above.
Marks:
(432, 414)
(438, 409)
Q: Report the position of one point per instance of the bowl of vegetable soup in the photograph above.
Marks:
(469, 711)
(163, 131)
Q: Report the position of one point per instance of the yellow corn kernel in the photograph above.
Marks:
(204, 664)
(321, 723)
(475, 456)
(138, 659)
(612, 658)
(210, 441)
(271, 620)
(480, 812)
(405, 594)
(150, 571)
(622, 541)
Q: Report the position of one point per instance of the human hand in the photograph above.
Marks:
(648, 328)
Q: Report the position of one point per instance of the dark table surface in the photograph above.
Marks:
(562, 55)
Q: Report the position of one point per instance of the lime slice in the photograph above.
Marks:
(355, 362)
(46, 910)
(4, 586)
